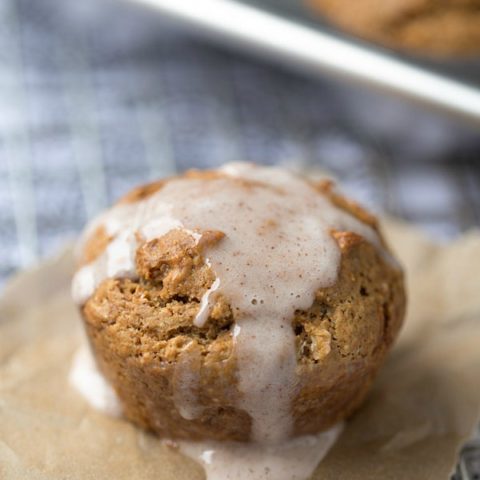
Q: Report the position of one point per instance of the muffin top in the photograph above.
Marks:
(243, 245)
(438, 27)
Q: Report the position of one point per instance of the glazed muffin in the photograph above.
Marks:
(448, 28)
(244, 303)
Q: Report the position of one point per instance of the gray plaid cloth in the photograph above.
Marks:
(98, 95)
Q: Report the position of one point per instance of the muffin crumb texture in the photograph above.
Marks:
(205, 306)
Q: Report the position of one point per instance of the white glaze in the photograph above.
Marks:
(207, 302)
(85, 377)
(294, 459)
(186, 380)
(276, 253)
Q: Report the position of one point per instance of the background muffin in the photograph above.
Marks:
(450, 27)
(180, 377)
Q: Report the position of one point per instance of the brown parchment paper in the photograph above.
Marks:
(424, 404)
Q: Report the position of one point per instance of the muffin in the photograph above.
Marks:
(445, 28)
(245, 304)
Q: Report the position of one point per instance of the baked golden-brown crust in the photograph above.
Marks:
(95, 244)
(141, 329)
(440, 27)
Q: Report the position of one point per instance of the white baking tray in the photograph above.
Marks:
(284, 30)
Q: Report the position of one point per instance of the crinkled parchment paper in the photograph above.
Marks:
(425, 402)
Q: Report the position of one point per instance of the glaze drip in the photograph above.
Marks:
(293, 459)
